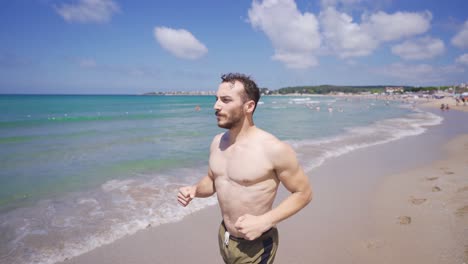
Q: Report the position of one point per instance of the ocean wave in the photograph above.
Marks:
(299, 101)
(313, 153)
(56, 230)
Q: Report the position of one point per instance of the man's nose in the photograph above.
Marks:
(216, 105)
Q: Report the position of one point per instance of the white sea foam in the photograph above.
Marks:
(300, 101)
(81, 222)
(314, 152)
(279, 107)
(116, 185)
(308, 100)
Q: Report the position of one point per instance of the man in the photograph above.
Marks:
(246, 165)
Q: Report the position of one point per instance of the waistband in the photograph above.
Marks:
(240, 238)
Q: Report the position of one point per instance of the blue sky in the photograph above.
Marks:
(132, 47)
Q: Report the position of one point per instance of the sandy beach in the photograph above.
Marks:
(435, 103)
(400, 202)
(421, 215)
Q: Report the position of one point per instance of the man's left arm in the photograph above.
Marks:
(290, 173)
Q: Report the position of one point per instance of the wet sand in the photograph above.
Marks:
(374, 205)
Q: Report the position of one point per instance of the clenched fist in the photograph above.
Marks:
(186, 194)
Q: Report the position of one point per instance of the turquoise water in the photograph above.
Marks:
(51, 144)
(81, 171)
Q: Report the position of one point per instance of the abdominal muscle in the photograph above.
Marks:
(236, 200)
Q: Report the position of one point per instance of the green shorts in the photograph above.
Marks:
(238, 250)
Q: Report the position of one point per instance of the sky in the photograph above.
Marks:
(133, 47)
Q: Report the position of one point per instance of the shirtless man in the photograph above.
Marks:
(246, 166)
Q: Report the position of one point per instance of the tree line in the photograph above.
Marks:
(326, 89)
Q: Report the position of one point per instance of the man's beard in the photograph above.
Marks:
(229, 122)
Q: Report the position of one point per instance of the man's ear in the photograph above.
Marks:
(249, 106)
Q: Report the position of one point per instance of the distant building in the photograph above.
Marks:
(391, 90)
(265, 91)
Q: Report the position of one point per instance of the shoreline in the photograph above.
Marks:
(432, 103)
(334, 228)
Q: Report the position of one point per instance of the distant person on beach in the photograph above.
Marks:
(246, 166)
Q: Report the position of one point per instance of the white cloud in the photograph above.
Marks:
(418, 49)
(451, 69)
(343, 36)
(295, 36)
(180, 42)
(298, 38)
(347, 38)
(388, 27)
(88, 11)
(461, 39)
(421, 74)
(463, 59)
(296, 60)
(333, 3)
(87, 63)
(407, 72)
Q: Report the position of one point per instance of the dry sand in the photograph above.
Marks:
(421, 215)
(403, 202)
(435, 103)
(421, 102)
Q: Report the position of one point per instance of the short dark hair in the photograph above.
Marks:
(250, 87)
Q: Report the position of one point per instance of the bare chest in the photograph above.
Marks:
(245, 166)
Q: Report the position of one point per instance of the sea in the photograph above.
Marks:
(81, 171)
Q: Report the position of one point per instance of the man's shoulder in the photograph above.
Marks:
(272, 144)
(218, 138)
(279, 153)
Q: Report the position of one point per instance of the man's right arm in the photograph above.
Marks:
(204, 188)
